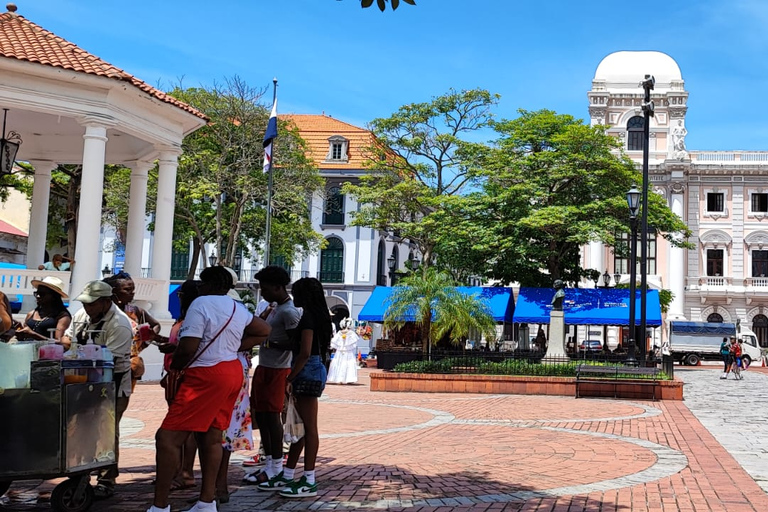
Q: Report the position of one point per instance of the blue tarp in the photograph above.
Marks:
(703, 328)
(499, 300)
(173, 301)
(585, 306)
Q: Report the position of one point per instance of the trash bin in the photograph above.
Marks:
(668, 365)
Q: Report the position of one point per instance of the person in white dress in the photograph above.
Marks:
(343, 369)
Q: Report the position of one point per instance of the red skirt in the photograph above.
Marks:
(205, 398)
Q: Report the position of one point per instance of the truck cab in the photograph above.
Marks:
(750, 348)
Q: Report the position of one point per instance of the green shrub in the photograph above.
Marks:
(480, 366)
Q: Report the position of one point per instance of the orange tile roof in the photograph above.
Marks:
(317, 129)
(23, 40)
(11, 229)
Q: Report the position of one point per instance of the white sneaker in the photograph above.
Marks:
(724, 376)
(202, 506)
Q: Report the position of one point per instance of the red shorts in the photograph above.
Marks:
(268, 389)
(205, 398)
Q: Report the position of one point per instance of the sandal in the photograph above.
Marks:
(103, 491)
(255, 478)
(180, 486)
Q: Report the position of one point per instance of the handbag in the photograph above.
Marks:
(137, 367)
(307, 387)
(172, 380)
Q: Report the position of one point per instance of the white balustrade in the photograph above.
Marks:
(19, 281)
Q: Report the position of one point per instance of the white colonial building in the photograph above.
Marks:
(721, 195)
(355, 259)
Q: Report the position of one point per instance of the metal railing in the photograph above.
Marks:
(247, 276)
(492, 362)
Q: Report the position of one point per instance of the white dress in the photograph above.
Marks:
(343, 369)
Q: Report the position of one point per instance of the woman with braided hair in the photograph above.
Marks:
(307, 381)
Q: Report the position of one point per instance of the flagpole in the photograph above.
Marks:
(268, 234)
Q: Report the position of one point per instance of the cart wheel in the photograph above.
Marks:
(64, 497)
(4, 486)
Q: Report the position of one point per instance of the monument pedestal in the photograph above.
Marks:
(556, 345)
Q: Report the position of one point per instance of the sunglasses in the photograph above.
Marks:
(39, 293)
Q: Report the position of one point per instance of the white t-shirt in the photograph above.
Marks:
(205, 317)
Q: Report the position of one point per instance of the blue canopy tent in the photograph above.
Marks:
(500, 301)
(586, 306)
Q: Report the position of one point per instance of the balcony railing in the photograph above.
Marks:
(247, 276)
(331, 277)
(713, 281)
(757, 282)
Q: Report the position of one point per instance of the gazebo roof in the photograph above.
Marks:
(26, 41)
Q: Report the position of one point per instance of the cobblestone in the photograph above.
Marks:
(443, 452)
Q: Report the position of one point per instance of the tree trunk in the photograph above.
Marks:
(195, 258)
(73, 210)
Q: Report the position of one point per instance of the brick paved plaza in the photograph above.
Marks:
(441, 452)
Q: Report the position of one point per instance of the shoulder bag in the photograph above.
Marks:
(172, 380)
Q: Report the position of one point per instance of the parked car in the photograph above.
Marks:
(591, 346)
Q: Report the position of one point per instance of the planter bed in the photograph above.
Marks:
(521, 385)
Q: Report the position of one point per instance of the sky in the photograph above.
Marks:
(333, 57)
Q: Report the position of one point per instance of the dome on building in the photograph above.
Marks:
(631, 67)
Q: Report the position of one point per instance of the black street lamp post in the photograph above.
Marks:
(607, 279)
(391, 265)
(633, 200)
(647, 85)
(212, 258)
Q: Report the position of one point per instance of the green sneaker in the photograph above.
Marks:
(273, 484)
(299, 489)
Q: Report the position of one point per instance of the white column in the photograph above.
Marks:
(676, 266)
(596, 260)
(163, 237)
(137, 211)
(89, 216)
(38, 222)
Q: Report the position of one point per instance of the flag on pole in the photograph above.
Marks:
(269, 136)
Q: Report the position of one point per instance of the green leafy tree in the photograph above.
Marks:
(552, 185)
(221, 189)
(382, 4)
(438, 307)
(420, 163)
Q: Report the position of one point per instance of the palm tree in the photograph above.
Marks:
(431, 300)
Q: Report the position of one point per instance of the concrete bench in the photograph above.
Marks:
(586, 373)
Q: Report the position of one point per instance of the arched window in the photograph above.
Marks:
(760, 327)
(635, 135)
(332, 262)
(716, 318)
(381, 266)
(395, 265)
(334, 207)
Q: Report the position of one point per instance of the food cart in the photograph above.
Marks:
(61, 423)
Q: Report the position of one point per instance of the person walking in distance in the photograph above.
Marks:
(725, 353)
(736, 358)
(269, 379)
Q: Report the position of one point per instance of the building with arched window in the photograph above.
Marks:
(721, 195)
(354, 260)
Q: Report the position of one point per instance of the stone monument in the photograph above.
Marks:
(556, 345)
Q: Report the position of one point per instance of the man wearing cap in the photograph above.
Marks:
(101, 320)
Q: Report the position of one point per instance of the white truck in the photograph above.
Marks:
(691, 342)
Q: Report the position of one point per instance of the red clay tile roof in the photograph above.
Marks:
(317, 129)
(23, 40)
(11, 230)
